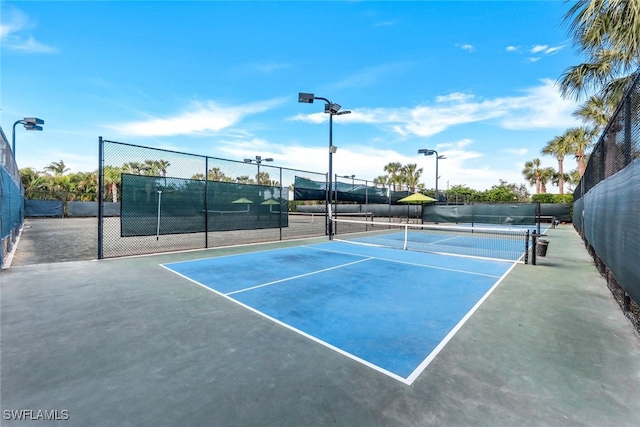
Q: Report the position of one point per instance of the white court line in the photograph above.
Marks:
(416, 373)
(435, 267)
(298, 276)
(423, 365)
(291, 328)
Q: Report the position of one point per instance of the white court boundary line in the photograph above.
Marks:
(291, 328)
(426, 361)
(416, 373)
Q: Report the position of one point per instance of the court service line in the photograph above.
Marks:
(455, 270)
(299, 276)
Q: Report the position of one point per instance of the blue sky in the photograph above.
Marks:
(474, 80)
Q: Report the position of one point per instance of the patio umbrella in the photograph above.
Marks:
(242, 200)
(271, 202)
(416, 199)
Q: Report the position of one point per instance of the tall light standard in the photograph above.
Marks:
(258, 160)
(428, 152)
(30, 123)
(333, 110)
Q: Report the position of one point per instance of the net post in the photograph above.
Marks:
(526, 248)
(533, 248)
(280, 207)
(406, 236)
(206, 202)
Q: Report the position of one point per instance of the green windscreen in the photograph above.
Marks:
(505, 214)
(306, 189)
(153, 205)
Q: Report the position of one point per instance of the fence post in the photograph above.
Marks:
(100, 196)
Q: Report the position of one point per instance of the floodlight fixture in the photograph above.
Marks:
(33, 121)
(30, 123)
(306, 98)
(258, 160)
(426, 151)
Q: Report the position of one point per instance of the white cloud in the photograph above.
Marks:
(200, 118)
(467, 47)
(14, 33)
(454, 97)
(546, 50)
(539, 48)
(553, 50)
(512, 49)
(538, 107)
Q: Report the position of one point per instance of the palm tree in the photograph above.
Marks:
(596, 111)
(559, 147)
(546, 175)
(533, 173)
(150, 167)
(33, 183)
(57, 168)
(133, 168)
(111, 177)
(263, 177)
(393, 168)
(606, 31)
(410, 175)
(381, 180)
(215, 174)
(580, 139)
(162, 165)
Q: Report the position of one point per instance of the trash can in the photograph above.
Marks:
(541, 247)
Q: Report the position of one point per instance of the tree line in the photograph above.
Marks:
(54, 181)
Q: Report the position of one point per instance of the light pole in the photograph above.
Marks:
(333, 110)
(258, 160)
(30, 123)
(428, 152)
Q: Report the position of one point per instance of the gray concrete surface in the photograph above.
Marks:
(46, 240)
(125, 342)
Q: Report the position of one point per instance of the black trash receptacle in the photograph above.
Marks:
(541, 247)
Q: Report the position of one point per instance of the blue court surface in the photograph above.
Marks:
(389, 309)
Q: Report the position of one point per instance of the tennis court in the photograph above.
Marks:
(127, 342)
(390, 310)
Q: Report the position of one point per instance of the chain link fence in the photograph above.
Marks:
(171, 201)
(606, 203)
(11, 199)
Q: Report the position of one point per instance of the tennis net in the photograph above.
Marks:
(508, 244)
